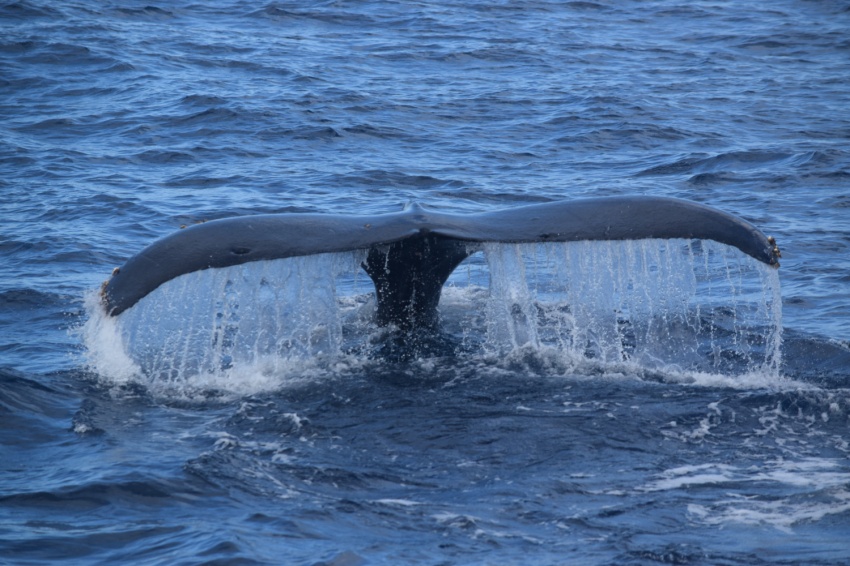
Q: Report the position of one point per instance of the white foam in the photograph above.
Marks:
(818, 488)
(106, 350)
(397, 502)
(781, 514)
(686, 476)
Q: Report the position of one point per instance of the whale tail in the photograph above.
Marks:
(409, 277)
(411, 254)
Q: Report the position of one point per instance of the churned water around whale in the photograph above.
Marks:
(605, 403)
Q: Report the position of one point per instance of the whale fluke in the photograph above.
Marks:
(412, 253)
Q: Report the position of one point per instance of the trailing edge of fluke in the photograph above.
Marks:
(412, 253)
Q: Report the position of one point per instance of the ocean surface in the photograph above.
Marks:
(626, 403)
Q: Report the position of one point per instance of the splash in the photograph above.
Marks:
(218, 328)
(683, 308)
(679, 306)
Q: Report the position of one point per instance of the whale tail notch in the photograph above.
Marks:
(411, 254)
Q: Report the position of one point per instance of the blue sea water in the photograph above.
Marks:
(120, 121)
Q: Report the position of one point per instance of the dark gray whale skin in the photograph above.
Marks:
(412, 253)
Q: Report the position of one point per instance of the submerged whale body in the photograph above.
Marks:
(412, 253)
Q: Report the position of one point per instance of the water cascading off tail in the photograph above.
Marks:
(666, 305)
(271, 313)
